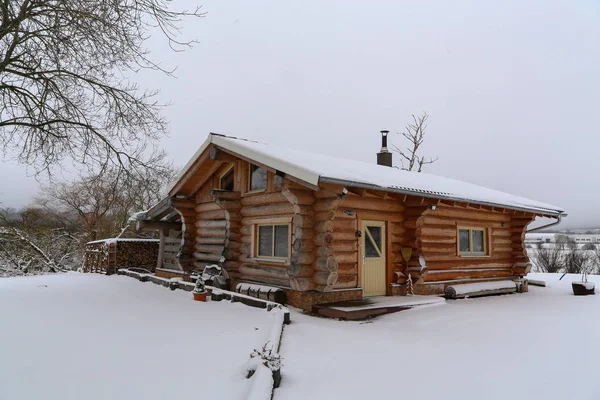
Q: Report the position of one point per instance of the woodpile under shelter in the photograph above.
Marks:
(327, 229)
(108, 255)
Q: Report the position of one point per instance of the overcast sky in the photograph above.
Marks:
(512, 88)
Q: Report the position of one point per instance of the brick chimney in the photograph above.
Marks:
(384, 157)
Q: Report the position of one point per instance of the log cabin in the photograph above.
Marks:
(327, 229)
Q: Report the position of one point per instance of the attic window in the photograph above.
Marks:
(257, 179)
(472, 242)
(226, 180)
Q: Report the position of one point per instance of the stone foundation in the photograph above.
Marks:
(397, 289)
(429, 289)
(306, 300)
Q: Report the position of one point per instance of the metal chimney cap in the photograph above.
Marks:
(385, 133)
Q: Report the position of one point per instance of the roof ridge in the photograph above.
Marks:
(236, 138)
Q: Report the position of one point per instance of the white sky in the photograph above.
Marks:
(512, 87)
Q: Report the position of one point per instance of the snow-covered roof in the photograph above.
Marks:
(138, 216)
(314, 168)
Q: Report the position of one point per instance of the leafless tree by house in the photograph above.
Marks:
(103, 203)
(415, 135)
(64, 91)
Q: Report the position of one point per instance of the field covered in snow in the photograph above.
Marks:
(75, 336)
(88, 336)
(540, 345)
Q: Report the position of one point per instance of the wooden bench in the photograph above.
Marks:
(263, 292)
(480, 289)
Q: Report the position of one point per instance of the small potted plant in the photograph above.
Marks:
(584, 287)
(199, 291)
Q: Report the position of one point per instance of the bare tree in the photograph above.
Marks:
(103, 203)
(576, 260)
(64, 91)
(589, 246)
(415, 135)
(595, 256)
(548, 258)
(561, 241)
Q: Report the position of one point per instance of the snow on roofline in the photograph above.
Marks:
(114, 240)
(138, 216)
(314, 168)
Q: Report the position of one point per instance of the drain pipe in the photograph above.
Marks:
(539, 228)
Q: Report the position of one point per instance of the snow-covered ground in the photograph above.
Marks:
(540, 345)
(88, 336)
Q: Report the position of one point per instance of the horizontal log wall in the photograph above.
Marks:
(326, 272)
(301, 270)
(173, 244)
(436, 235)
(254, 207)
(217, 225)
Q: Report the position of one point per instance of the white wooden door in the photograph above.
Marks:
(373, 258)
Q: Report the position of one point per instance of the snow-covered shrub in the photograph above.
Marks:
(589, 246)
(576, 260)
(268, 357)
(200, 286)
(26, 251)
(548, 259)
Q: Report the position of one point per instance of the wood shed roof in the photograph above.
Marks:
(314, 168)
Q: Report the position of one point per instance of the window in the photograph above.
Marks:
(272, 241)
(472, 242)
(257, 178)
(226, 180)
(373, 242)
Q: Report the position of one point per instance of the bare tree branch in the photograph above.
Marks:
(415, 135)
(63, 91)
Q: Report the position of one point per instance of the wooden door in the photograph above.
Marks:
(373, 258)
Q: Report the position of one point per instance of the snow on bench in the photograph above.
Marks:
(480, 289)
(262, 292)
(535, 282)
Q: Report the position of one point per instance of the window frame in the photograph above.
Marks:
(369, 236)
(256, 244)
(249, 185)
(486, 249)
(222, 175)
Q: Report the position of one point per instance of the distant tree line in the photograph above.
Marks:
(565, 255)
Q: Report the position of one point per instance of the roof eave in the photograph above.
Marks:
(538, 211)
(179, 179)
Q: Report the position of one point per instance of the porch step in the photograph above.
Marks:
(374, 306)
